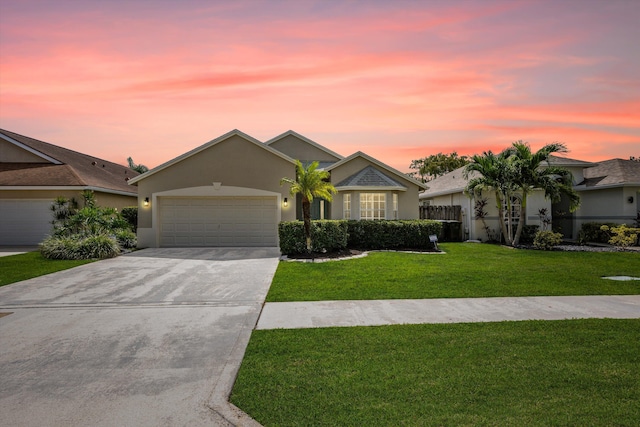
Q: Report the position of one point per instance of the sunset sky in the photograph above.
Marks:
(399, 80)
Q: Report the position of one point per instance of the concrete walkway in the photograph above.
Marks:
(151, 338)
(322, 314)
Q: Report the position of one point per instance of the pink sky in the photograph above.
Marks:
(397, 80)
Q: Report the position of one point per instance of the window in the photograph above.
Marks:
(395, 206)
(516, 202)
(373, 206)
(346, 206)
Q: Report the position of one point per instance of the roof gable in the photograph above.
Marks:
(302, 148)
(394, 172)
(63, 167)
(208, 145)
(369, 177)
(612, 173)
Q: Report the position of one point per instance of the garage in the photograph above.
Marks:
(218, 221)
(24, 222)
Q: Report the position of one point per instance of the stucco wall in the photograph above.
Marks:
(608, 205)
(103, 199)
(296, 148)
(232, 162)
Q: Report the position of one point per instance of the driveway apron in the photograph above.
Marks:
(150, 338)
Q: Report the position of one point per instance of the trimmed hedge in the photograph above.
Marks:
(332, 235)
(130, 214)
(326, 236)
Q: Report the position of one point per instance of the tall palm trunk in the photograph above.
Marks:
(306, 216)
(523, 212)
(503, 226)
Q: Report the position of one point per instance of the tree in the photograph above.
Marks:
(140, 168)
(436, 165)
(532, 170)
(309, 183)
(495, 173)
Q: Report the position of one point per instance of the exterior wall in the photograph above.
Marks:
(9, 153)
(407, 200)
(102, 199)
(607, 205)
(296, 148)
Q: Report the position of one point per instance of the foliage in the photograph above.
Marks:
(130, 214)
(528, 234)
(16, 268)
(545, 218)
(529, 373)
(75, 247)
(464, 270)
(516, 170)
(326, 235)
(436, 165)
(546, 240)
(592, 232)
(392, 234)
(622, 235)
(90, 232)
(481, 214)
(309, 183)
(140, 168)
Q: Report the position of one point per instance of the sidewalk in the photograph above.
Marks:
(322, 314)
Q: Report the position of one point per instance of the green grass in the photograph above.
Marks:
(466, 270)
(15, 268)
(573, 372)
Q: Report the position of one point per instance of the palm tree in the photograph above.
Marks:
(534, 171)
(309, 183)
(494, 173)
(140, 168)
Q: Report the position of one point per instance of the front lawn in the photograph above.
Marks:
(466, 270)
(571, 372)
(15, 268)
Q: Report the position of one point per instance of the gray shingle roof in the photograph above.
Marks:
(76, 169)
(612, 172)
(369, 177)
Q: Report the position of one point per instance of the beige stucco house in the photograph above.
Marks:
(227, 192)
(609, 192)
(33, 173)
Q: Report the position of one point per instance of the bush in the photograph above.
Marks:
(126, 239)
(77, 247)
(592, 232)
(130, 214)
(528, 234)
(326, 236)
(546, 240)
(622, 235)
(414, 234)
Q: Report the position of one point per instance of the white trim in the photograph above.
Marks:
(66, 188)
(305, 139)
(608, 186)
(384, 210)
(29, 149)
(377, 163)
(371, 188)
(209, 144)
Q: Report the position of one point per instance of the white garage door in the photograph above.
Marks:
(24, 222)
(218, 221)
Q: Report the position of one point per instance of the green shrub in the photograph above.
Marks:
(621, 235)
(528, 234)
(79, 247)
(326, 236)
(130, 214)
(592, 232)
(546, 240)
(367, 234)
(126, 238)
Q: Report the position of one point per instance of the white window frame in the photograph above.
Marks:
(373, 206)
(395, 205)
(346, 206)
(516, 203)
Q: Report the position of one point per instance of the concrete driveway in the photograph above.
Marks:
(152, 338)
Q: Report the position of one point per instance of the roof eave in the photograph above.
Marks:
(370, 188)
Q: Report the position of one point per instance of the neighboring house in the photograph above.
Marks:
(33, 173)
(608, 190)
(227, 192)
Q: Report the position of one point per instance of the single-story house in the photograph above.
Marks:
(34, 173)
(227, 192)
(609, 192)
